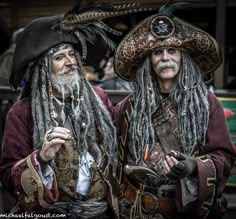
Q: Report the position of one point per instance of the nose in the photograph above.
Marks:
(165, 55)
(70, 60)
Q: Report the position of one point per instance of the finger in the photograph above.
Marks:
(55, 135)
(172, 153)
(56, 141)
(52, 143)
(174, 160)
(62, 130)
(166, 167)
(178, 155)
(169, 161)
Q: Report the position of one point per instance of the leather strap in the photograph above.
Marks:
(166, 206)
(168, 141)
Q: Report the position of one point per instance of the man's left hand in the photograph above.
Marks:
(178, 165)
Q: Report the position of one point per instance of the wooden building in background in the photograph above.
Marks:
(215, 16)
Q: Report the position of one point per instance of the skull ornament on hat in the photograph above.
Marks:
(162, 31)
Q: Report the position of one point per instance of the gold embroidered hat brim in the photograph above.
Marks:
(142, 40)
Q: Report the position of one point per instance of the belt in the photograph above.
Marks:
(151, 203)
(81, 209)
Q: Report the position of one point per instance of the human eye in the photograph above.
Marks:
(171, 51)
(72, 54)
(158, 52)
(58, 57)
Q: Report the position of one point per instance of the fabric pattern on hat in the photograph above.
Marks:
(141, 42)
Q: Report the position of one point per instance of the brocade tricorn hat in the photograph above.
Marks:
(164, 30)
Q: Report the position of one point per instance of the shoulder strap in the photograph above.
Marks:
(163, 131)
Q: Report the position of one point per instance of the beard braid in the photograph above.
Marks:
(190, 96)
(89, 113)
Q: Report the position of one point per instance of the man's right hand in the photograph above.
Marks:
(53, 140)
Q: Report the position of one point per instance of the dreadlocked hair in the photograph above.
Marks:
(90, 109)
(191, 97)
(40, 100)
(141, 129)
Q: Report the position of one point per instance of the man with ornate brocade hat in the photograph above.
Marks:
(175, 153)
(59, 140)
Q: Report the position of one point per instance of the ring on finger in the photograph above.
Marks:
(49, 137)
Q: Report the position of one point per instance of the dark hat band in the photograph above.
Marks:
(58, 48)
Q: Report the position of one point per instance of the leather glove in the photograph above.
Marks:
(185, 165)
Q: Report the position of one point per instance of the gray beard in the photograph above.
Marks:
(65, 84)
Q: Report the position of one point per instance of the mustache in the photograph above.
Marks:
(68, 69)
(169, 64)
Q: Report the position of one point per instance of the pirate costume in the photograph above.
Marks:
(189, 120)
(78, 181)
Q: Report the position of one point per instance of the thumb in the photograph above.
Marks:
(178, 155)
(57, 148)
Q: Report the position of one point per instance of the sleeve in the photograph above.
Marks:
(214, 163)
(18, 159)
(104, 97)
(29, 189)
(108, 103)
(122, 113)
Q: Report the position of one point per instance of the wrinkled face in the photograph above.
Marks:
(63, 62)
(64, 70)
(166, 63)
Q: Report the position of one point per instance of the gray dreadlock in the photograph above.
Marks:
(141, 129)
(90, 110)
(190, 96)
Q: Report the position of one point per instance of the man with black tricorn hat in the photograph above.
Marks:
(59, 140)
(174, 145)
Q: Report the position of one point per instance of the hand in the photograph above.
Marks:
(53, 140)
(178, 165)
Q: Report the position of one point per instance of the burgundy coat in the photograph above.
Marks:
(18, 149)
(214, 167)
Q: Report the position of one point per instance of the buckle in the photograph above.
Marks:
(149, 203)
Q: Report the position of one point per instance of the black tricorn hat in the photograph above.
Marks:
(39, 36)
(82, 26)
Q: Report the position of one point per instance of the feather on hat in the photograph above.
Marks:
(81, 26)
(164, 30)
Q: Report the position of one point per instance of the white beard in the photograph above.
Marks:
(65, 83)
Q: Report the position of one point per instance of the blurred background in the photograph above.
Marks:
(214, 16)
